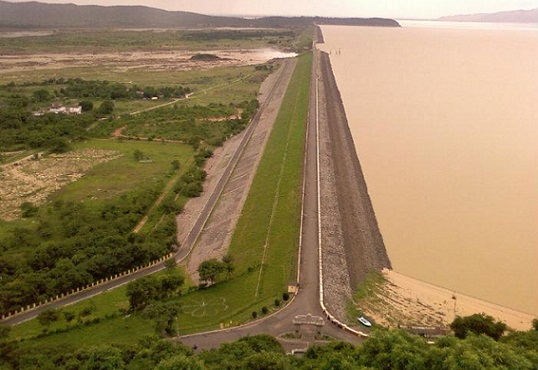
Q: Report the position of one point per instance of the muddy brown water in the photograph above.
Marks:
(445, 122)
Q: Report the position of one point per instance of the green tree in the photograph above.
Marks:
(164, 314)
(106, 107)
(268, 361)
(479, 323)
(176, 165)
(523, 339)
(103, 357)
(228, 261)
(138, 155)
(67, 276)
(86, 105)
(59, 145)
(170, 284)
(211, 270)
(8, 349)
(394, 349)
(143, 291)
(41, 95)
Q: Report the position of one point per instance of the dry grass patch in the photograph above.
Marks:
(31, 180)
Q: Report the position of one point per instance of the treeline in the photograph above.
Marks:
(394, 349)
(79, 88)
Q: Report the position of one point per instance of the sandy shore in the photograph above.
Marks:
(409, 302)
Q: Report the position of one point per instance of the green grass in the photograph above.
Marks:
(101, 305)
(279, 169)
(371, 284)
(113, 178)
(230, 302)
(116, 330)
(367, 291)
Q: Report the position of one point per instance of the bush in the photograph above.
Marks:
(265, 310)
(28, 209)
(277, 302)
(479, 323)
(254, 314)
(285, 296)
(192, 190)
(69, 316)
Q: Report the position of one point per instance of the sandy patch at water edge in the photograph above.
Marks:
(410, 302)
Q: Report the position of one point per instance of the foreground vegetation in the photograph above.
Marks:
(392, 349)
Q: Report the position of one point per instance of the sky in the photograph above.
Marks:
(399, 9)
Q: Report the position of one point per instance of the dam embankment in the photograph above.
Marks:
(351, 239)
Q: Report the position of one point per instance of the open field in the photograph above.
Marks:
(33, 180)
(125, 173)
(100, 41)
(95, 171)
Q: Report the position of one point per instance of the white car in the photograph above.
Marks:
(364, 322)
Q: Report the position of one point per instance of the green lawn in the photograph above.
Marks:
(276, 190)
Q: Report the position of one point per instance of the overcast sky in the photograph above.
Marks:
(349, 8)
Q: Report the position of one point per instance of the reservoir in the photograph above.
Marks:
(445, 123)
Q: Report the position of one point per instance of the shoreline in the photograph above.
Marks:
(446, 304)
(406, 289)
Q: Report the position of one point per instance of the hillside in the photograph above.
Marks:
(41, 15)
(516, 16)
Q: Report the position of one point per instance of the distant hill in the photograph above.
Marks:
(41, 15)
(516, 16)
